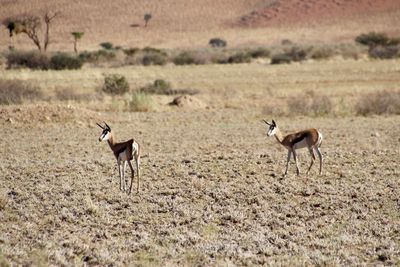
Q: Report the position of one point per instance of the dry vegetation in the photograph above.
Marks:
(212, 190)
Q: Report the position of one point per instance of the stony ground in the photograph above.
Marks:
(212, 192)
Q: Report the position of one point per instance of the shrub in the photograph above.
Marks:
(107, 45)
(15, 92)
(310, 104)
(259, 52)
(322, 53)
(131, 51)
(97, 56)
(148, 49)
(280, 59)
(115, 84)
(383, 102)
(286, 42)
(239, 57)
(321, 105)
(31, 59)
(217, 42)
(63, 61)
(141, 102)
(373, 39)
(154, 59)
(384, 52)
(297, 54)
(184, 58)
(159, 86)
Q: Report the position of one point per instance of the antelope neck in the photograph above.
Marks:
(111, 141)
(278, 135)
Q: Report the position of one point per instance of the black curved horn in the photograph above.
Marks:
(108, 127)
(100, 126)
(266, 122)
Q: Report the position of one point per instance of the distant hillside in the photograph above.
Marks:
(188, 23)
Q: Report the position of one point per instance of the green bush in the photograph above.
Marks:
(297, 54)
(16, 92)
(115, 84)
(64, 61)
(159, 86)
(385, 52)
(259, 52)
(373, 39)
(141, 102)
(107, 45)
(131, 51)
(239, 57)
(217, 42)
(322, 53)
(152, 58)
(97, 56)
(184, 58)
(31, 59)
(281, 59)
(148, 49)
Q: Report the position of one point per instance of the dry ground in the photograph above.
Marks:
(192, 23)
(212, 191)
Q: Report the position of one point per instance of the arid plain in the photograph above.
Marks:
(212, 187)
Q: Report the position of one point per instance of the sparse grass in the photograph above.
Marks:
(141, 102)
(382, 102)
(16, 92)
(69, 94)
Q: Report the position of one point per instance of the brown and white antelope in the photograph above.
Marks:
(124, 152)
(310, 138)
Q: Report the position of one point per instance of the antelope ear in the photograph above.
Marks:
(273, 123)
(100, 126)
(266, 122)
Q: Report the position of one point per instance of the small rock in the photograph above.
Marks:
(10, 120)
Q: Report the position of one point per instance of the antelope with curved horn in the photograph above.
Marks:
(124, 152)
(310, 138)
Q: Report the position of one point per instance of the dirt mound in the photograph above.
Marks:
(45, 113)
(187, 102)
(314, 11)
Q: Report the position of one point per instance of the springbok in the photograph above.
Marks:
(310, 138)
(124, 152)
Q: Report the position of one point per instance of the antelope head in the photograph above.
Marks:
(272, 128)
(105, 135)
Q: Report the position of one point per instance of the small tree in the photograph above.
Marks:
(147, 18)
(77, 36)
(48, 17)
(10, 25)
(30, 25)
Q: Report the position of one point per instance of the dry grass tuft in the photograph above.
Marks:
(383, 102)
(16, 92)
(310, 103)
(141, 102)
(68, 94)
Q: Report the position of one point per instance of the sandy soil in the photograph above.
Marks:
(212, 192)
(188, 24)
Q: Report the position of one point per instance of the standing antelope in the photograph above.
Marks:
(124, 153)
(310, 138)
